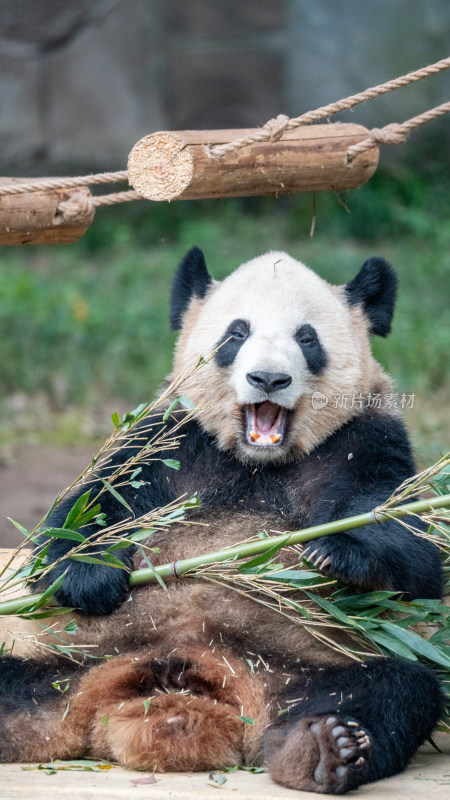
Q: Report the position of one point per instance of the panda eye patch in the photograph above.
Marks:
(313, 352)
(229, 344)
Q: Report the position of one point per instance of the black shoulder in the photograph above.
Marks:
(376, 445)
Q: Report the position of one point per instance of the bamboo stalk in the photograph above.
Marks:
(257, 547)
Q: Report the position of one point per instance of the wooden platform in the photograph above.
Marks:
(428, 777)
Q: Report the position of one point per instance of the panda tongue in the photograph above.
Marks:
(266, 416)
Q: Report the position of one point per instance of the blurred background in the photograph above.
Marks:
(83, 327)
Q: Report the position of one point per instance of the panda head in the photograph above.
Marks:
(281, 337)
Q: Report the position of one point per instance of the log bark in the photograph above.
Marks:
(177, 166)
(57, 216)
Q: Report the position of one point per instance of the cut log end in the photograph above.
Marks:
(160, 166)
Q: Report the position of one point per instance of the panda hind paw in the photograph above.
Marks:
(324, 754)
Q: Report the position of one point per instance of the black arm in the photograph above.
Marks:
(371, 458)
(93, 588)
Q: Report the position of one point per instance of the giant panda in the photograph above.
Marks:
(178, 675)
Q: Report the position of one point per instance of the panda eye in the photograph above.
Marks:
(306, 336)
(239, 330)
(307, 339)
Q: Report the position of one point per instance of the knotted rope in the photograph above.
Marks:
(272, 131)
(265, 133)
(395, 133)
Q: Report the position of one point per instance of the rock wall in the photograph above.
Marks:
(82, 80)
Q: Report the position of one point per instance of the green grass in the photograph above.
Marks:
(89, 321)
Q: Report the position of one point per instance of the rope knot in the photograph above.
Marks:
(276, 127)
(395, 133)
(79, 204)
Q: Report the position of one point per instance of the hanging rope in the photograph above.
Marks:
(277, 126)
(395, 133)
(272, 131)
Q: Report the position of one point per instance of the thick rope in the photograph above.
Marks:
(43, 184)
(84, 204)
(395, 133)
(272, 131)
(282, 123)
(116, 197)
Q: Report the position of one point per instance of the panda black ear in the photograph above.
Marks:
(191, 278)
(375, 289)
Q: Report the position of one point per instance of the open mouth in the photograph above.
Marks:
(265, 424)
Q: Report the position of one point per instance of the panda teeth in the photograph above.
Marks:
(258, 432)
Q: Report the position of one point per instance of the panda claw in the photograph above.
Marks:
(326, 563)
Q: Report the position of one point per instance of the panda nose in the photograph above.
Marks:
(269, 381)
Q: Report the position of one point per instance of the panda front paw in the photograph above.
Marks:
(341, 557)
(94, 590)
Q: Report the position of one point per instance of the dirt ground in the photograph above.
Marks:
(30, 482)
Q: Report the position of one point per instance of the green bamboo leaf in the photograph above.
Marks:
(115, 418)
(57, 611)
(77, 510)
(113, 561)
(357, 601)
(334, 610)
(115, 494)
(186, 402)
(147, 704)
(71, 627)
(171, 462)
(20, 528)
(217, 778)
(391, 644)
(441, 637)
(180, 399)
(169, 410)
(295, 577)
(139, 536)
(122, 544)
(92, 560)
(131, 417)
(193, 502)
(153, 570)
(89, 515)
(48, 593)
(420, 646)
(40, 560)
(64, 533)
(263, 558)
(297, 607)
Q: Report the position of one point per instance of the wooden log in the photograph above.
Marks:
(56, 216)
(177, 166)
